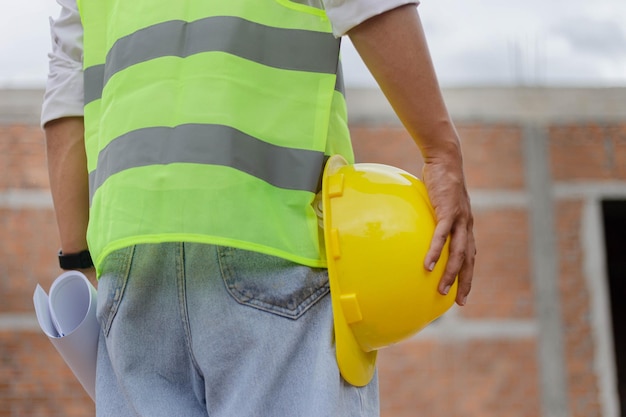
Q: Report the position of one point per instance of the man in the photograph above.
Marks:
(192, 173)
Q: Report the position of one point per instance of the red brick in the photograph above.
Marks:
(588, 152)
(492, 154)
(40, 382)
(502, 282)
(459, 379)
(575, 307)
(27, 256)
(22, 158)
(390, 145)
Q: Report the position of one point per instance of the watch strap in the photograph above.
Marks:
(79, 260)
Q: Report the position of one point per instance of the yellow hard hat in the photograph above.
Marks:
(378, 224)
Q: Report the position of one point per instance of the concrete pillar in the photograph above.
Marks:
(544, 267)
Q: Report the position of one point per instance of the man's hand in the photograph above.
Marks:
(448, 194)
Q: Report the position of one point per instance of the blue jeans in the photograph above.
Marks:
(199, 330)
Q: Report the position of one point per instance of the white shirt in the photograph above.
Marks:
(64, 87)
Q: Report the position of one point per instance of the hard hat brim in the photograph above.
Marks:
(356, 366)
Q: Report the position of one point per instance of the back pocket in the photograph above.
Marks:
(271, 284)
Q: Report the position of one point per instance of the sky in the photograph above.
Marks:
(473, 43)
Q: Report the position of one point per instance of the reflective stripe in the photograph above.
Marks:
(94, 82)
(339, 85)
(290, 49)
(289, 168)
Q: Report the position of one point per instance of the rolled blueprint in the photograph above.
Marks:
(68, 317)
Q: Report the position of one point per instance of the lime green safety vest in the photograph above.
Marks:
(209, 121)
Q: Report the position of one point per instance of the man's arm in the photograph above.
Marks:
(69, 183)
(62, 121)
(394, 48)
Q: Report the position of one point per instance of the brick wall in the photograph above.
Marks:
(34, 380)
(486, 359)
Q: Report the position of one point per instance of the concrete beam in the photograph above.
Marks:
(20, 106)
(466, 104)
(19, 322)
(25, 199)
(504, 105)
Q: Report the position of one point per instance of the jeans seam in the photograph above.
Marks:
(184, 310)
(119, 291)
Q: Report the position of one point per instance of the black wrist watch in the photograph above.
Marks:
(79, 260)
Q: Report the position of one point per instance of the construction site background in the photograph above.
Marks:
(536, 338)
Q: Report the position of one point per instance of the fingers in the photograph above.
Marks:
(442, 230)
(466, 273)
(462, 253)
(456, 258)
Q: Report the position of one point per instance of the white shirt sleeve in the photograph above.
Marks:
(65, 85)
(346, 14)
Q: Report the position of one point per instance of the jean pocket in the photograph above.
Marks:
(111, 286)
(271, 284)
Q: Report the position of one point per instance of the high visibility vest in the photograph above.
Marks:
(210, 121)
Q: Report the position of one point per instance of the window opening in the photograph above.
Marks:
(614, 214)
